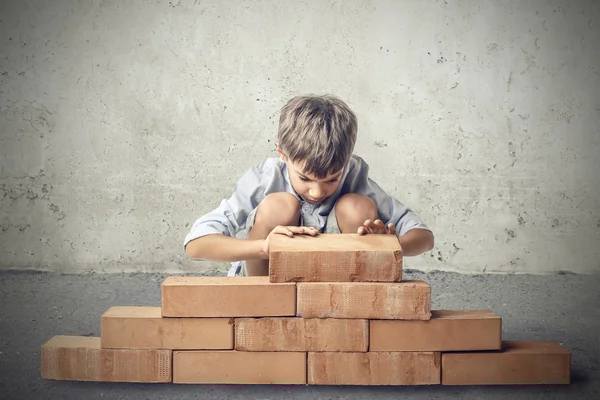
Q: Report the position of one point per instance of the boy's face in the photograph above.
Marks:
(311, 189)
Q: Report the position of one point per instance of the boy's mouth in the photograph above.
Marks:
(315, 201)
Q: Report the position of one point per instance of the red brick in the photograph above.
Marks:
(369, 300)
(381, 368)
(518, 363)
(77, 358)
(144, 328)
(299, 334)
(335, 258)
(238, 367)
(445, 331)
(227, 297)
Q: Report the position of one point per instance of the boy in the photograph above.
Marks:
(316, 185)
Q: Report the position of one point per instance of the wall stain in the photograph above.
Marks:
(57, 211)
(511, 149)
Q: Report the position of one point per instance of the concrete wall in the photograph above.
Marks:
(122, 122)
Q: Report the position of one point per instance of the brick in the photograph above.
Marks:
(144, 328)
(518, 363)
(445, 331)
(369, 300)
(77, 358)
(335, 258)
(381, 368)
(238, 296)
(238, 367)
(299, 334)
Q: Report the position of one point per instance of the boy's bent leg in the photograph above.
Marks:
(352, 210)
(276, 209)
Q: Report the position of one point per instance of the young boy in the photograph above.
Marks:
(316, 185)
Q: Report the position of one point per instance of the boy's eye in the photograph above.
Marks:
(303, 179)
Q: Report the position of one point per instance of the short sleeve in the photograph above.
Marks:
(231, 214)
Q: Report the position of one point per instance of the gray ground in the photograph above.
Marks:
(36, 306)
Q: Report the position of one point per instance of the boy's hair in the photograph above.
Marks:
(319, 130)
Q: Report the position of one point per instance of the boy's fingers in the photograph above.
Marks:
(392, 228)
(300, 230)
(282, 230)
(380, 226)
(370, 225)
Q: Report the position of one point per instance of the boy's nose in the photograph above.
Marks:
(316, 193)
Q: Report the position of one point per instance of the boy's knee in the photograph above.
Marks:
(278, 209)
(352, 209)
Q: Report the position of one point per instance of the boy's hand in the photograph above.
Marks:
(376, 226)
(288, 231)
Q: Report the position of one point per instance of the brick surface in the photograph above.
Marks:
(144, 328)
(446, 331)
(381, 368)
(77, 358)
(238, 367)
(519, 363)
(227, 297)
(335, 258)
(370, 300)
(299, 334)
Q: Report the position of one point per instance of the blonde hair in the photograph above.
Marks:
(319, 131)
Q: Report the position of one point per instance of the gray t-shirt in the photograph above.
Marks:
(271, 176)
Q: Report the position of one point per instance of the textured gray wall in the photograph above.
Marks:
(122, 122)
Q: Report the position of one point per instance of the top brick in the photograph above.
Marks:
(335, 258)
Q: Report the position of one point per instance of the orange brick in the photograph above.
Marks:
(144, 328)
(237, 296)
(335, 258)
(445, 331)
(403, 300)
(389, 368)
(238, 367)
(299, 334)
(77, 358)
(519, 363)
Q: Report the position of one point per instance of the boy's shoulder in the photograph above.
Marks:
(269, 164)
(264, 173)
(266, 170)
(357, 161)
(357, 165)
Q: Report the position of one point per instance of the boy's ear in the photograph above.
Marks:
(280, 152)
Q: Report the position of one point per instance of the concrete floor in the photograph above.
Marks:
(36, 306)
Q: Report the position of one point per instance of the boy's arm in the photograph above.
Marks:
(218, 247)
(212, 236)
(416, 241)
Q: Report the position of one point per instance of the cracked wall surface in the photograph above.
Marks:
(123, 122)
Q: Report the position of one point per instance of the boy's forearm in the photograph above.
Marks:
(416, 241)
(218, 247)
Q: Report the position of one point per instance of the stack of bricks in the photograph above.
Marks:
(334, 310)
